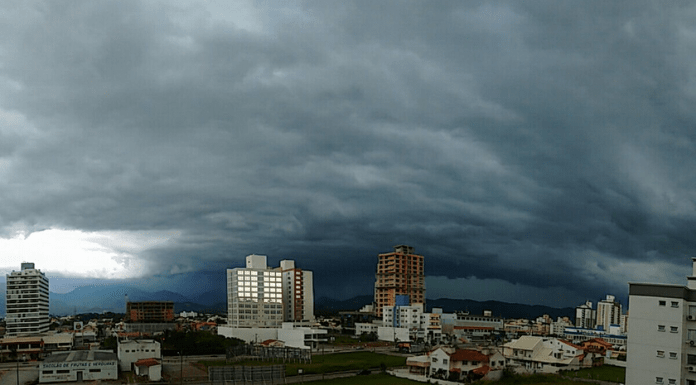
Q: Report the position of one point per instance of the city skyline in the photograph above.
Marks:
(533, 152)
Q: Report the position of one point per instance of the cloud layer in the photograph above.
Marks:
(540, 145)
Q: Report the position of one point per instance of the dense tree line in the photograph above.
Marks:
(195, 343)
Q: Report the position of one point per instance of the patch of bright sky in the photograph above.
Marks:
(78, 254)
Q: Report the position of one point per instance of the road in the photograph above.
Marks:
(27, 373)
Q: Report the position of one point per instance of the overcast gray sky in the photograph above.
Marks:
(536, 151)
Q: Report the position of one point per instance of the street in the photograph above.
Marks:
(27, 373)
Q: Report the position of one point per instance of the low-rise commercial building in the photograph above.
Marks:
(301, 337)
(58, 341)
(149, 367)
(79, 365)
(130, 351)
(22, 348)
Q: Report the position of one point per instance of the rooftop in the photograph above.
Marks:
(82, 355)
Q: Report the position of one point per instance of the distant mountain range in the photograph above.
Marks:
(103, 298)
(499, 309)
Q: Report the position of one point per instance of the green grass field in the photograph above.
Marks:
(533, 379)
(604, 373)
(384, 379)
(372, 379)
(328, 363)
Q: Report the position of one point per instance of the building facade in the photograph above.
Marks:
(254, 295)
(78, 366)
(585, 316)
(662, 344)
(130, 351)
(150, 311)
(27, 302)
(298, 293)
(608, 312)
(399, 273)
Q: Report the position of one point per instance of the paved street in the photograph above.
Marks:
(26, 374)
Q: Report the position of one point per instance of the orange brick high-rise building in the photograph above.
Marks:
(399, 273)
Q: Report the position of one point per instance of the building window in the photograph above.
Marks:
(660, 328)
(673, 355)
(658, 380)
(660, 353)
(673, 329)
(691, 359)
(663, 303)
(62, 371)
(672, 381)
(675, 304)
(47, 371)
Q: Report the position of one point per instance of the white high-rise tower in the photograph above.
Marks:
(254, 295)
(27, 302)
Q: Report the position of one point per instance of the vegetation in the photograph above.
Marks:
(110, 343)
(510, 378)
(195, 343)
(373, 379)
(328, 363)
(368, 337)
(605, 373)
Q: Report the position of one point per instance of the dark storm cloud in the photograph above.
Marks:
(540, 144)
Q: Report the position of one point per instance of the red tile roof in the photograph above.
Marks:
(599, 341)
(468, 355)
(482, 370)
(147, 362)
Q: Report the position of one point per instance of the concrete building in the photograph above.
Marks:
(365, 328)
(59, 341)
(662, 338)
(402, 314)
(430, 329)
(150, 311)
(399, 273)
(613, 335)
(22, 348)
(150, 368)
(585, 316)
(392, 334)
(608, 312)
(130, 351)
(298, 293)
(301, 337)
(27, 302)
(78, 366)
(254, 295)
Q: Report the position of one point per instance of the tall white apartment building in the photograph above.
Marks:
(298, 293)
(608, 312)
(662, 336)
(254, 295)
(27, 302)
(585, 316)
(405, 316)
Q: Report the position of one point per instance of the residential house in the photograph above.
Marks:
(533, 354)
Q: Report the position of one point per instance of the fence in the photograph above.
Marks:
(248, 375)
(269, 353)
